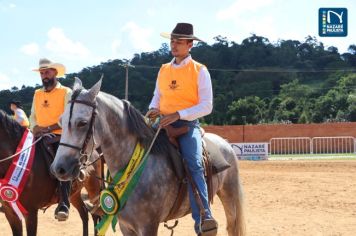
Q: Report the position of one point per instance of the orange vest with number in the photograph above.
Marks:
(49, 106)
(178, 87)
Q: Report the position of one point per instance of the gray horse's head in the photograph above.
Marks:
(77, 124)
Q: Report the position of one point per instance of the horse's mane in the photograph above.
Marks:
(11, 126)
(138, 127)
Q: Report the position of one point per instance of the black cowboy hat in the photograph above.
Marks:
(181, 31)
(17, 103)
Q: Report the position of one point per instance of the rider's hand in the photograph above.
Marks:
(169, 119)
(39, 130)
(152, 113)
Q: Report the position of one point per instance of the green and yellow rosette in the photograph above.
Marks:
(115, 196)
(109, 202)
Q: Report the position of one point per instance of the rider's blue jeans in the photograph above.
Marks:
(191, 150)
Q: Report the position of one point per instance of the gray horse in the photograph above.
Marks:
(117, 128)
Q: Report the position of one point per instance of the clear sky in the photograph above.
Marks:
(83, 33)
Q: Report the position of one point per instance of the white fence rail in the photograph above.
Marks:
(290, 145)
(333, 145)
(316, 145)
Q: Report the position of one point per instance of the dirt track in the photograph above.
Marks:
(282, 198)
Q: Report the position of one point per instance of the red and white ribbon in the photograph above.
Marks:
(16, 176)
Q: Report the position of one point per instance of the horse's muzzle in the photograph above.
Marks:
(65, 171)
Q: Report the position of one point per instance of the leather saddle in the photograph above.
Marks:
(46, 145)
(217, 163)
(212, 165)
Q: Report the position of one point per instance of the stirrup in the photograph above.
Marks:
(209, 227)
(61, 215)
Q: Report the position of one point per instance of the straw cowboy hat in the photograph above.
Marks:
(182, 31)
(47, 64)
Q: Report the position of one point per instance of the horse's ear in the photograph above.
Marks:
(93, 92)
(77, 84)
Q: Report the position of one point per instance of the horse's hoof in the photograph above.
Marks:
(209, 227)
(61, 213)
(61, 216)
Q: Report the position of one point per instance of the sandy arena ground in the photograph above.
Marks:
(281, 198)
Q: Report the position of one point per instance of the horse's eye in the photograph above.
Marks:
(82, 123)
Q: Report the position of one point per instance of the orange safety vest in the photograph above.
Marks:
(178, 87)
(49, 106)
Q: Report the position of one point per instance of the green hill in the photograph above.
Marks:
(254, 82)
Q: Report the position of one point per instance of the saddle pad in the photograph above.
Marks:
(217, 161)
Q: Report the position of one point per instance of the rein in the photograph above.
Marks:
(123, 182)
(114, 197)
(28, 147)
(143, 160)
(89, 134)
(134, 172)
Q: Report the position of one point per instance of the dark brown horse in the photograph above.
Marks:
(40, 189)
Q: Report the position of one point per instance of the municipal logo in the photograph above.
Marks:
(109, 202)
(332, 22)
(173, 85)
(8, 193)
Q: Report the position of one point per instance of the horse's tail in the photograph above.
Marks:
(230, 192)
(239, 206)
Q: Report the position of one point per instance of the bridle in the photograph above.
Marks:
(83, 155)
(82, 150)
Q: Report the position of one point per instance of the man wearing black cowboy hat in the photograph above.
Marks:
(19, 114)
(183, 94)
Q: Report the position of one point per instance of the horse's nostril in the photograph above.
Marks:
(61, 171)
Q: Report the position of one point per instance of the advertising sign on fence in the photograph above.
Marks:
(251, 151)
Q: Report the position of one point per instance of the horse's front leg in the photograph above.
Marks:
(31, 222)
(151, 229)
(82, 210)
(127, 231)
(148, 230)
(14, 221)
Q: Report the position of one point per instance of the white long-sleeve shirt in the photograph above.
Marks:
(205, 94)
(20, 115)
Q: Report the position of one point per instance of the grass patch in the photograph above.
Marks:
(335, 156)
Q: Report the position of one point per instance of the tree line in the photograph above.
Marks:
(254, 82)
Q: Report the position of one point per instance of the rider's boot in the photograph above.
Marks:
(62, 211)
(209, 227)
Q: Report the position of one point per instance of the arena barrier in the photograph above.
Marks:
(315, 145)
(333, 145)
(290, 146)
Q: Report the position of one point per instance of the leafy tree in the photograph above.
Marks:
(292, 104)
(351, 109)
(287, 81)
(252, 107)
(328, 106)
(350, 56)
